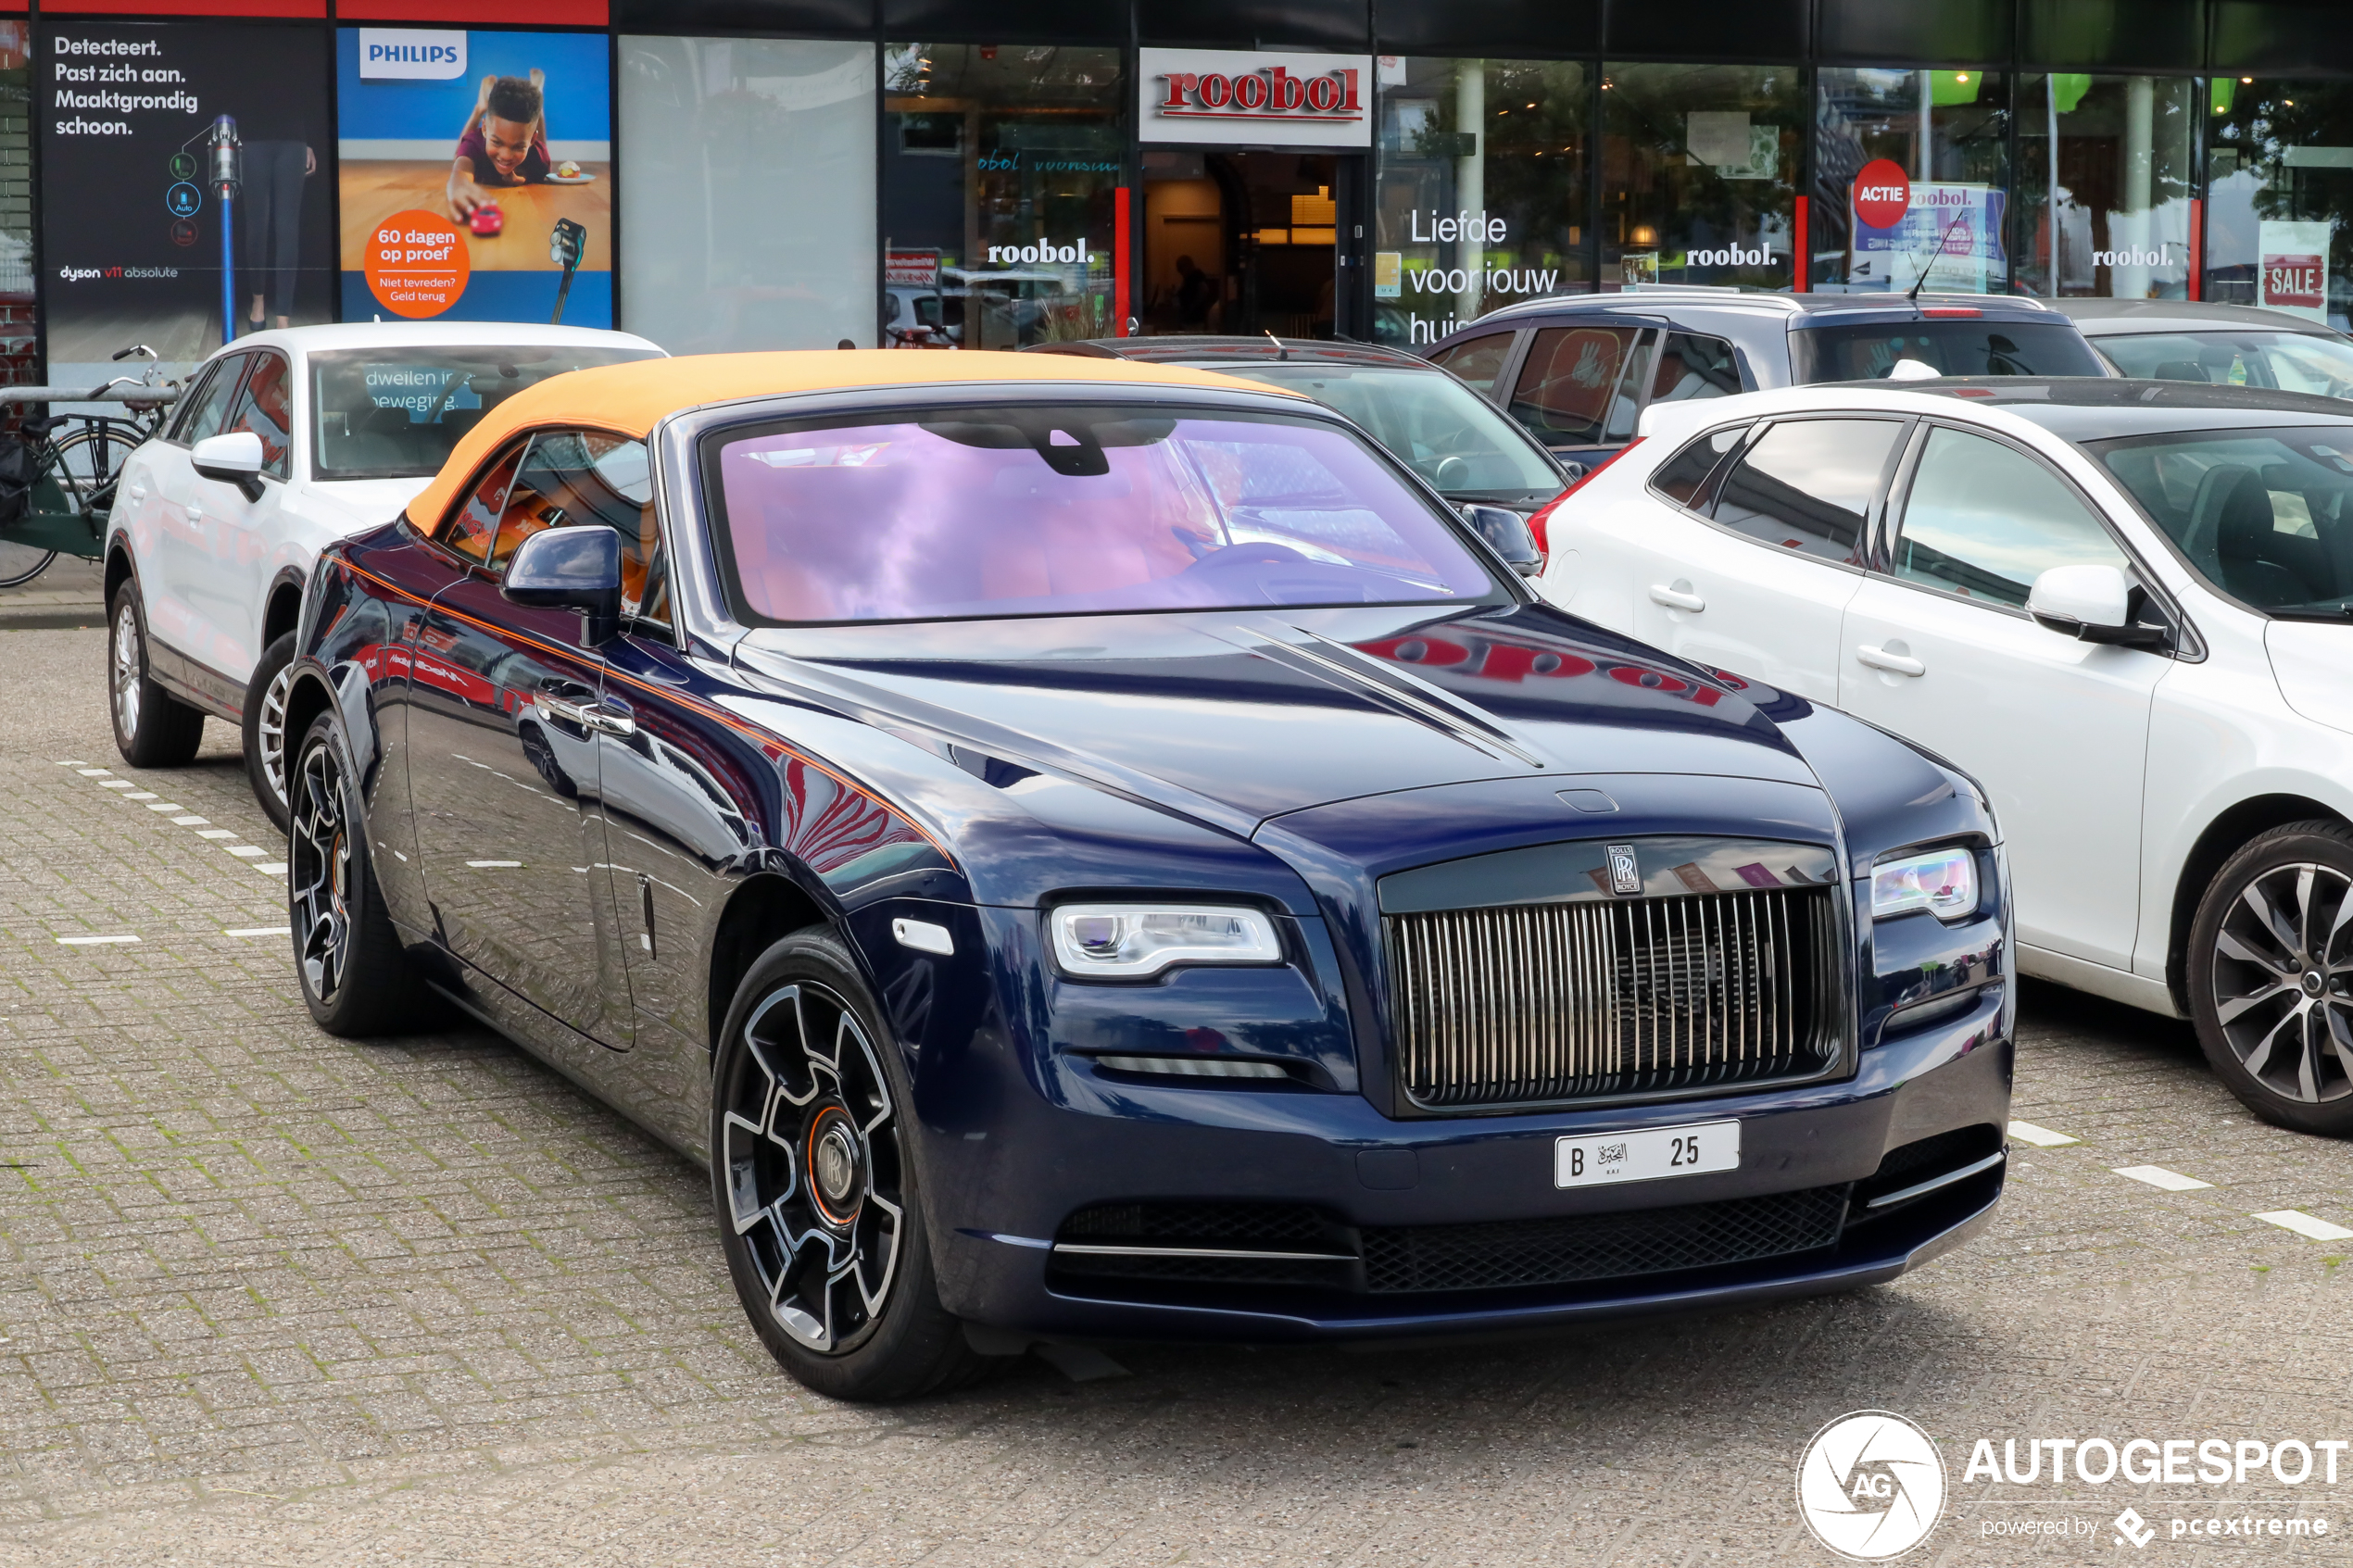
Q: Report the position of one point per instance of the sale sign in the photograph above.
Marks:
(2294, 268)
(1882, 194)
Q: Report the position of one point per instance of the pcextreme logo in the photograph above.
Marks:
(1871, 1485)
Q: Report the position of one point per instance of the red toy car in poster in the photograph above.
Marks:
(487, 219)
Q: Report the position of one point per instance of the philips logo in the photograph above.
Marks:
(408, 55)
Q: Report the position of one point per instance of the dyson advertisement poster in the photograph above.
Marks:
(475, 175)
(139, 125)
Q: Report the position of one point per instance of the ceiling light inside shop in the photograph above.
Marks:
(1960, 76)
(1644, 234)
(2246, 82)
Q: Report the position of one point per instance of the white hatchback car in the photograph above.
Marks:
(286, 442)
(2126, 608)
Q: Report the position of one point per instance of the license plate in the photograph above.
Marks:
(1653, 1154)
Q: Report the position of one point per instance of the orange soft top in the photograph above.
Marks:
(630, 399)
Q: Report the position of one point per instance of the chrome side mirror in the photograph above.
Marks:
(1507, 534)
(575, 568)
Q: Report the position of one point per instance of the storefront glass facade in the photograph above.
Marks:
(1001, 167)
(1699, 167)
(1481, 189)
(687, 172)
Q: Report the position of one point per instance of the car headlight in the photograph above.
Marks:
(1943, 882)
(1131, 941)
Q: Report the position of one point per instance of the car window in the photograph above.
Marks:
(397, 412)
(2291, 361)
(1808, 485)
(472, 526)
(2265, 515)
(1691, 366)
(1478, 360)
(1983, 519)
(1445, 431)
(574, 478)
(1569, 388)
(1073, 508)
(208, 409)
(1952, 348)
(1683, 477)
(265, 406)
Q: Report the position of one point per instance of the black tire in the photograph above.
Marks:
(152, 728)
(2270, 977)
(265, 729)
(813, 1167)
(354, 979)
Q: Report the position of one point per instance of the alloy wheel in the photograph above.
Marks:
(269, 731)
(814, 1172)
(320, 873)
(2283, 981)
(128, 669)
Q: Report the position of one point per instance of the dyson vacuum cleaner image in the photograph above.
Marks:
(566, 245)
(227, 178)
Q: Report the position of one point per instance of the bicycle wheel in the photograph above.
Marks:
(21, 564)
(85, 464)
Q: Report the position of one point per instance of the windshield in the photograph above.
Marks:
(1443, 430)
(1070, 509)
(2263, 515)
(1965, 346)
(2291, 361)
(395, 413)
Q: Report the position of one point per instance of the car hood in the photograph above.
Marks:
(1234, 718)
(368, 503)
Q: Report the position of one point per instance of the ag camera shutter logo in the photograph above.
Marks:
(1871, 1485)
(389, 54)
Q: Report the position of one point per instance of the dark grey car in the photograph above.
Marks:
(1578, 370)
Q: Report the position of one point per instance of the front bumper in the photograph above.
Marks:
(1004, 1183)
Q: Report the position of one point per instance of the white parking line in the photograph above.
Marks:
(95, 772)
(215, 833)
(271, 868)
(91, 941)
(247, 851)
(167, 805)
(2041, 1137)
(191, 821)
(2159, 1176)
(141, 794)
(258, 931)
(495, 865)
(118, 784)
(71, 762)
(2304, 1224)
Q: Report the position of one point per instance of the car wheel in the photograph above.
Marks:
(2270, 977)
(265, 727)
(354, 979)
(815, 1177)
(152, 728)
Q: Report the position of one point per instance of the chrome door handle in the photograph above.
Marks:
(588, 716)
(1894, 663)
(1680, 596)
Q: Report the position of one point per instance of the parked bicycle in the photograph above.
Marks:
(58, 477)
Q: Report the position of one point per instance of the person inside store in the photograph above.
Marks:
(1196, 292)
(504, 144)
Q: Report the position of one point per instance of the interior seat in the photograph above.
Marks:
(2243, 532)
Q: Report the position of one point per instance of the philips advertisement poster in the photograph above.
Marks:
(184, 187)
(477, 175)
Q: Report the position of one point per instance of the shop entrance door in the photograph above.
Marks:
(1237, 244)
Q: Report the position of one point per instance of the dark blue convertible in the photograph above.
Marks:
(1087, 850)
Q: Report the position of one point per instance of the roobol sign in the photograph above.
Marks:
(1247, 97)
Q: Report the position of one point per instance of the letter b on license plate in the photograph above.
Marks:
(1653, 1154)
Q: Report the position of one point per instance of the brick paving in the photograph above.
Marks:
(267, 1298)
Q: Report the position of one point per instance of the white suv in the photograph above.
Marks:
(286, 442)
(2125, 606)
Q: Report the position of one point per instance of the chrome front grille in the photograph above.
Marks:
(1535, 1003)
